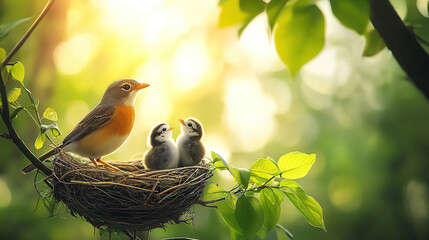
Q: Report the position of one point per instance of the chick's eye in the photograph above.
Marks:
(126, 87)
(189, 124)
(164, 129)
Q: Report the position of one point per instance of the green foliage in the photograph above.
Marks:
(263, 170)
(50, 114)
(271, 205)
(307, 206)
(230, 14)
(7, 27)
(353, 14)
(295, 164)
(253, 206)
(374, 43)
(273, 9)
(249, 215)
(17, 71)
(299, 34)
(40, 141)
(13, 94)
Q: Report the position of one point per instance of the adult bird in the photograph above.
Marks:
(163, 153)
(191, 149)
(104, 129)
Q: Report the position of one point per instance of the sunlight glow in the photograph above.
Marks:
(249, 113)
(76, 110)
(71, 57)
(189, 65)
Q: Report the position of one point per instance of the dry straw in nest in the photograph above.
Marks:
(133, 199)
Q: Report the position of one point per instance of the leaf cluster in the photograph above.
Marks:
(13, 75)
(253, 206)
(298, 26)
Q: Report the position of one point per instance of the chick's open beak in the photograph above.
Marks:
(182, 122)
(171, 128)
(141, 86)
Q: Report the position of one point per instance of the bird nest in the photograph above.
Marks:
(132, 199)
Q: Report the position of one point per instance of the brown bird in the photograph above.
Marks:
(106, 126)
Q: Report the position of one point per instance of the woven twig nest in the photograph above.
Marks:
(133, 199)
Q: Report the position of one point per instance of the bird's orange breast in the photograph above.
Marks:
(122, 121)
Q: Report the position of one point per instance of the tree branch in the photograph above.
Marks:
(407, 51)
(5, 109)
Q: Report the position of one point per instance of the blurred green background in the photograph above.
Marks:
(365, 121)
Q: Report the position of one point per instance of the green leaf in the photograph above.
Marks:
(288, 234)
(241, 175)
(288, 184)
(17, 71)
(374, 43)
(271, 206)
(280, 194)
(53, 127)
(296, 164)
(230, 14)
(262, 170)
(299, 34)
(213, 191)
(2, 54)
(252, 7)
(228, 215)
(7, 27)
(273, 9)
(218, 161)
(13, 94)
(231, 199)
(15, 112)
(31, 97)
(50, 114)
(353, 14)
(40, 140)
(249, 215)
(308, 207)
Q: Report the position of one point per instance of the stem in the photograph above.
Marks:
(27, 34)
(407, 51)
(5, 114)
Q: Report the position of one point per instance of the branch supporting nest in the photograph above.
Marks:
(133, 199)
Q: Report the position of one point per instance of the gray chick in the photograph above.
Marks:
(163, 153)
(191, 149)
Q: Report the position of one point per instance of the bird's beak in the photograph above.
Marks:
(171, 128)
(141, 86)
(182, 122)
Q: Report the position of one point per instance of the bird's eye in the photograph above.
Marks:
(189, 124)
(164, 129)
(126, 87)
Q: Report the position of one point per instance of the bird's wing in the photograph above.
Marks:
(98, 117)
(156, 157)
(197, 151)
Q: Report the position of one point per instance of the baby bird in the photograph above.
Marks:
(163, 153)
(191, 149)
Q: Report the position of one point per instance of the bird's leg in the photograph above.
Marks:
(107, 165)
(93, 161)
